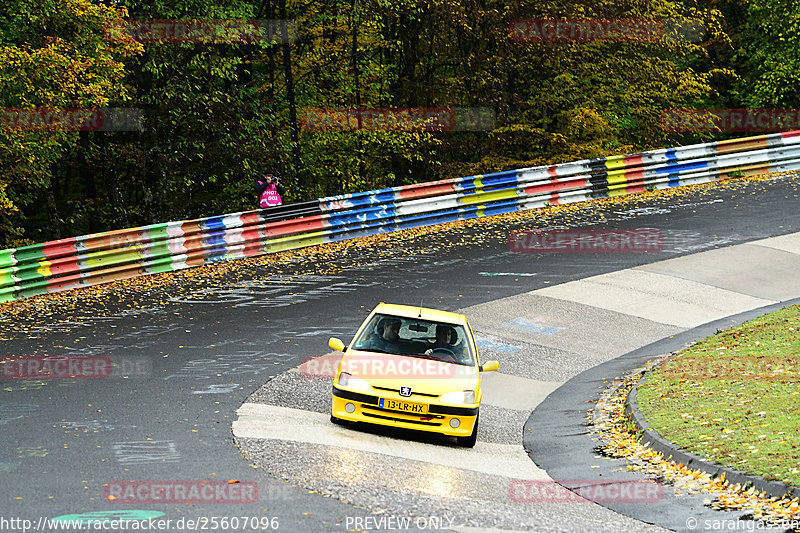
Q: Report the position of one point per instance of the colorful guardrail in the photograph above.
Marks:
(104, 257)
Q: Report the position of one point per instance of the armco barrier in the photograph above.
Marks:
(93, 259)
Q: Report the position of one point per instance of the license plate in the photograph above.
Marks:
(407, 407)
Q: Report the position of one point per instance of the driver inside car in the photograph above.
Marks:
(445, 336)
(387, 338)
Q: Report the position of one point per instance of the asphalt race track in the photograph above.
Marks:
(196, 370)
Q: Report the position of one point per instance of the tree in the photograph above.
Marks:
(770, 54)
(53, 54)
(220, 111)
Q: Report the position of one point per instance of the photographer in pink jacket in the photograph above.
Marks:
(269, 191)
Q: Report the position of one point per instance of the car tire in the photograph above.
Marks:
(469, 442)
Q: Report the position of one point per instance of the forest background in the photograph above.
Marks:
(219, 112)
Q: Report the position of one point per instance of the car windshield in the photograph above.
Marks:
(417, 338)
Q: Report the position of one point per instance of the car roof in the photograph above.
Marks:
(411, 311)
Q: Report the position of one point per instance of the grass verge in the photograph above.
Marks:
(733, 397)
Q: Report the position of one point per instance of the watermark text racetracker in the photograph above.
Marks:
(55, 367)
(730, 120)
(580, 490)
(646, 240)
(43, 119)
(203, 31)
(629, 30)
(315, 119)
(181, 492)
(367, 366)
(46, 367)
(696, 369)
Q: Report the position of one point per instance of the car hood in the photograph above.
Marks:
(422, 375)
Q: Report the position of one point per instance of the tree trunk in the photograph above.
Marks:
(287, 71)
(357, 85)
(87, 172)
(111, 172)
(52, 210)
(270, 14)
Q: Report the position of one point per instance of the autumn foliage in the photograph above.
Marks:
(217, 112)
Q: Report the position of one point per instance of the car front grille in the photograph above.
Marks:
(404, 417)
(412, 392)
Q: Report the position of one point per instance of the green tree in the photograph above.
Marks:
(53, 54)
(770, 52)
(345, 62)
(220, 112)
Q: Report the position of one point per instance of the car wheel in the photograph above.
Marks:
(469, 442)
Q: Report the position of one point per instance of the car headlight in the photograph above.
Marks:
(462, 396)
(352, 382)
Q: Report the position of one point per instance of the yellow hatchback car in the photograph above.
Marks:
(413, 368)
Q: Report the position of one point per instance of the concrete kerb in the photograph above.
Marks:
(671, 451)
(557, 439)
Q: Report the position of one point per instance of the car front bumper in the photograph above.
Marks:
(439, 419)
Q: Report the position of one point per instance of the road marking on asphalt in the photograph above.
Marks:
(514, 392)
(492, 342)
(590, 335)
(750, 269)
(656, 297)
(536, 325)
(787, 243)
(514, 274)
(262, 421)
(467, 529)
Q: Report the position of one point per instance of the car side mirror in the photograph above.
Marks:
(490, 366)
(336, 344)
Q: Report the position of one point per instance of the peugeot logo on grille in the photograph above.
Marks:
(405, 391)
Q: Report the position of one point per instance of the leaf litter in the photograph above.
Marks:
(619, 439)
